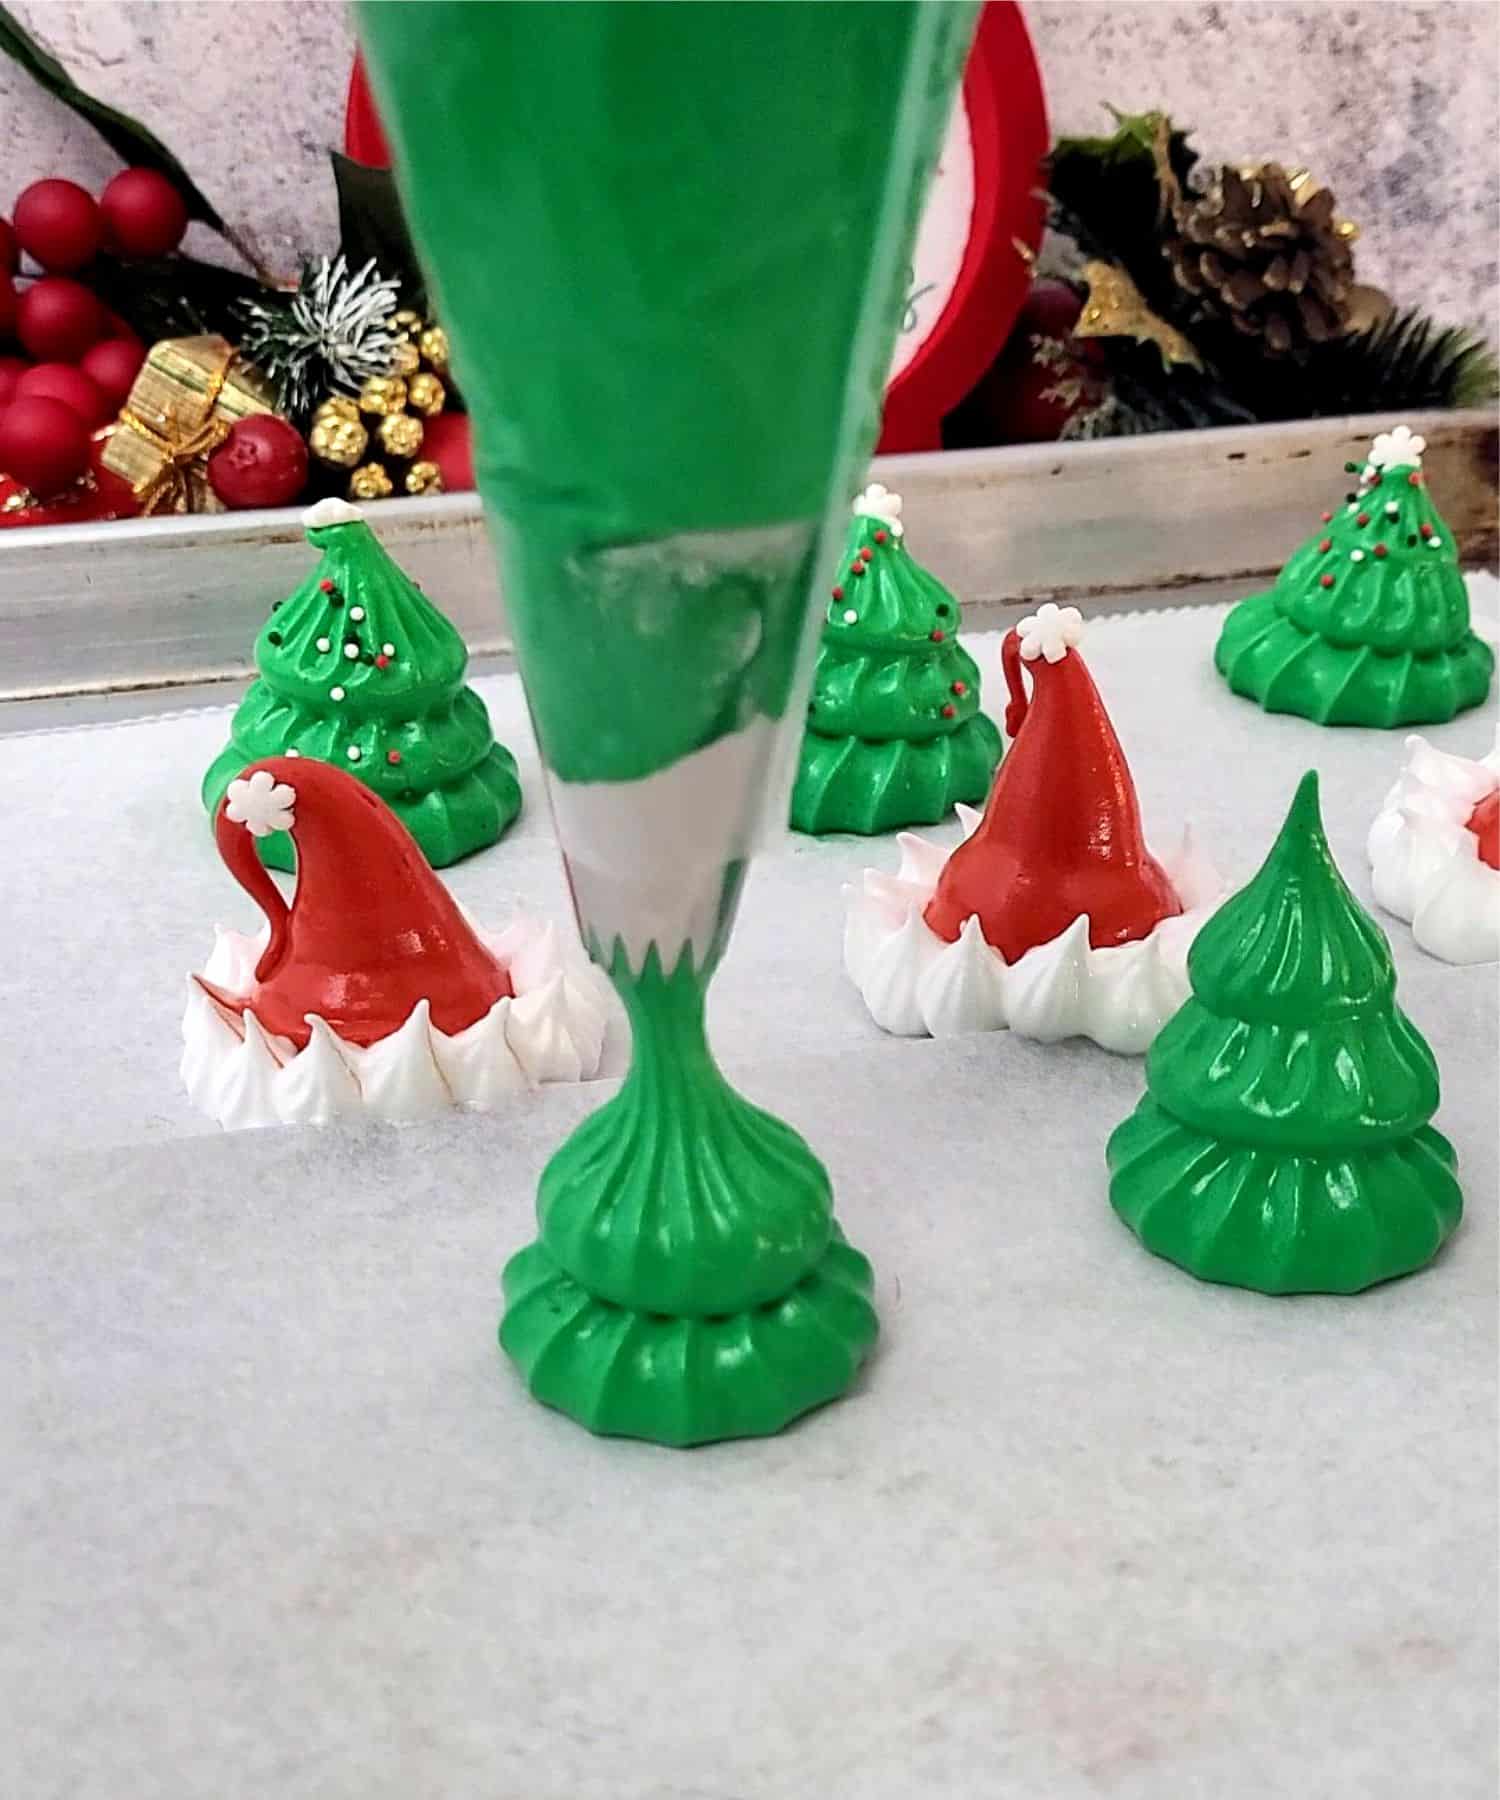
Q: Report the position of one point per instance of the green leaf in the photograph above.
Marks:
(177, 296)
(1107, 195)
(371, 223)
(129, 139)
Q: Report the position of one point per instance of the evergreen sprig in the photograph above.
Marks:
(330, 336)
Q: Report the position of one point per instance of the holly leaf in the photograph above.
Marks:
(1107, 193)
(127, 137)
(175, 296)
(372, 224)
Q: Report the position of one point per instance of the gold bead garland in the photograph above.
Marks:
(377, 435)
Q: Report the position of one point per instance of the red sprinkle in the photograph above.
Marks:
(960, 688)
(950, 710)
(1414, 479)
(393, 756)
(867, 554)
(1380, 550)
(1326, 544)
(857, 568)
(1327, 580)
(880, 537)
(1363, 519)
(381, 661)
(326, 585)
(838, 593)
(937, 637)
(1374, 480)
(1426, 530)
(1326, 517)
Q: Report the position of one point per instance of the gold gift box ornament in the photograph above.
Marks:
(190, 391)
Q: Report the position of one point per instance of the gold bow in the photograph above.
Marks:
(168, 487)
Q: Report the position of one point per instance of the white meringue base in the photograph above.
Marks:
(1424, 860)
(917, 984)
(552, 1030)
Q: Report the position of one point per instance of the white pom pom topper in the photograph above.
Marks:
(331, 511)
(262, 804)
(1400, 447)
(1050, 632)
(878, 502)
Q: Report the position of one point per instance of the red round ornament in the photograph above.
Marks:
(10, 250)
(43, 444)
(57, 223)
(61, 381)
(144, 215)
(59, 319)
(112, 365)
(263, 462)
(12, 368)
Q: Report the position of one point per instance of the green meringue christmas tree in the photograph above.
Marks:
(1283, 1142)
(1368, 623)
(360, 669)
(894, 734)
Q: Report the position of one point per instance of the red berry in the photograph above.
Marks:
(393, 756)
(10, 307)
(12, 368)
(10, 250)
(1325, 544)
(61, 381)
(838, 593)
(263, 462)
(113, 365)
(43, 444)
(60, 319)
(1380, 550)
(950, 710)
(937, 637)
(144, 215)
(960, 688)
(58, 224)
(1363, 519)
(1327, 581)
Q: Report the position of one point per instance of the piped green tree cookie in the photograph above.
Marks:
(1368, 623)
(359, 669)
(1283, 1142)
(894, 735)
(689, 1281)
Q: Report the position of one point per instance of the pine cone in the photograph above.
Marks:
(1263, 249)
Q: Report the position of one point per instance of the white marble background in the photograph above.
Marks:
(1393, 102)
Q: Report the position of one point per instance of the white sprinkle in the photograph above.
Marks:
(1356, 556)
(356, 613)
(851, 617)
(324, 644)
(335, 693)
(293, 752)
(387, 649)
(1391, 509)
(352, 753)
(351, 651)
(1434, 543)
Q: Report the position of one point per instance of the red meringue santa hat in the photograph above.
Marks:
(370, 930)
(1061, 833)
